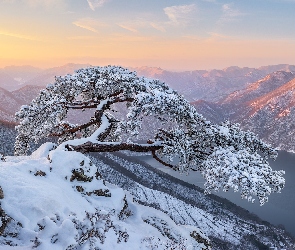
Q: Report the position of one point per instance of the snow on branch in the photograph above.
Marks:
(226, 156)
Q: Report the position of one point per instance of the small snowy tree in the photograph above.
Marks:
(225, 155)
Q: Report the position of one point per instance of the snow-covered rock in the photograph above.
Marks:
(56, 199)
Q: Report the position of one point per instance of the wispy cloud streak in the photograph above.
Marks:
(89, 24)
(180, 14)
(20, 36)
(141, 24)
(93, 4)
(127, 27)
(158, 26)
(229, 14)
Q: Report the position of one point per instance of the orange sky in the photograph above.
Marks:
(170, 37)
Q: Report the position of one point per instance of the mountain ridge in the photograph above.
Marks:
(266, 107)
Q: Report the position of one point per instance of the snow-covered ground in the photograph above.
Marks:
(228, 226)
(58, 200)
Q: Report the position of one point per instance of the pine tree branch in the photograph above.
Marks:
(99, 147)
(97, 116)
(161, 161)
(91, 103)
(112, 147)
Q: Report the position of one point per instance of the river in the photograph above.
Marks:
(280, 208)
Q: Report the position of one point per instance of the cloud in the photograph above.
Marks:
(180, 14)
(20, 36)
(158, 26)
(229, 14)
(137, 25)
(127, 27)
(89, 24)
(93, 4)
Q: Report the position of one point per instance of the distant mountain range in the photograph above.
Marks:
(266, 107)
(10, 102)
(260, 99)
(15, 77)
(20, 84)
(211, 85)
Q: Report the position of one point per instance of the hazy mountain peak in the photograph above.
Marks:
(148, 71)
(214, 73)
(288, 87)
(257, 89)
(67, 68)
(279, 67)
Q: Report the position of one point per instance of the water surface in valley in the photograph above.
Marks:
(279, 210)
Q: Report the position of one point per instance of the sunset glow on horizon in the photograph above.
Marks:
(175, 35)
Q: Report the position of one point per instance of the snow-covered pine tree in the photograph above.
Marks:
(226, 156)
